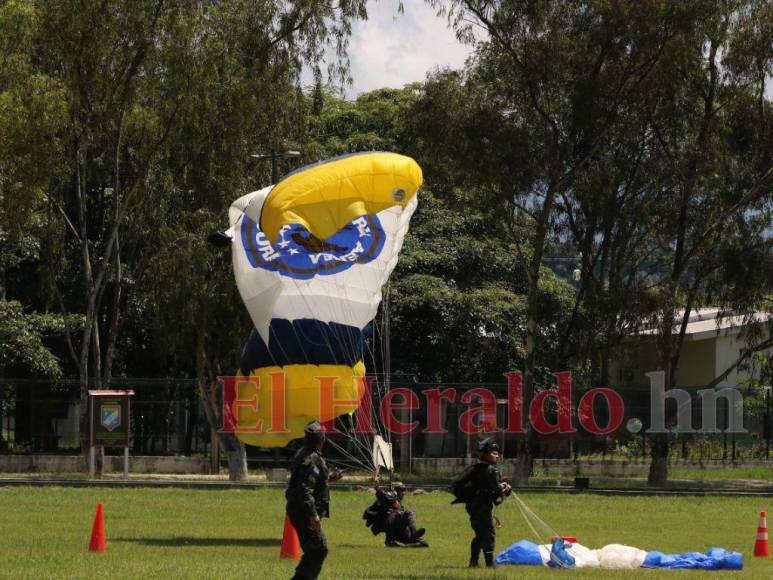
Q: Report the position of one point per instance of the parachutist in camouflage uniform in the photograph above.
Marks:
(387, 514)
(488, 490)
(401, 523)
(308, 500)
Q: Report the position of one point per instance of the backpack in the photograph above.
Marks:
(465, 487)
(376, 515)
(374, 519)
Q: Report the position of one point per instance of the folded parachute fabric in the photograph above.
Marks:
(524, 553)
(614, 556)
(713, 559)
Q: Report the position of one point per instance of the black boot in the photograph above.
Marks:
(489, 556)
(474, 554)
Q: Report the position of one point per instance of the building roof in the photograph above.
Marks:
(705, 323)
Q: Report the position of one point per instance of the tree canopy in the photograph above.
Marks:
(632, 141)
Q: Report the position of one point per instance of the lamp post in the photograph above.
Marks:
(575, 263)
(222, 239)
(767, 424)
(273, 156)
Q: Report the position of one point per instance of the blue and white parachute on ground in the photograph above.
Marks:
(615, 556)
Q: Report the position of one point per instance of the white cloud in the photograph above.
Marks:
(392, 49)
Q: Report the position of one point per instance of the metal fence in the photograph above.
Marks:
(43, 416)
(167, 419)
(630, 442)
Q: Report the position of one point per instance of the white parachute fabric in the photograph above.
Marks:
(382, 454)
(619, 556)
(350, 297)
(612, 556)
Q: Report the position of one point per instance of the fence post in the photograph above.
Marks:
(214, 453)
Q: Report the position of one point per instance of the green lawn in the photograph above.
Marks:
(166, 533)
(757, 473)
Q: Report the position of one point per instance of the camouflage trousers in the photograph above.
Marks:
(482, 522)
(313, 543)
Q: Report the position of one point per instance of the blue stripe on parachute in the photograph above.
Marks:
(521, 553)
(304, 341)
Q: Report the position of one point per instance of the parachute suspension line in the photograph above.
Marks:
(380, 386)
(362, 447)
(354, 460)
(352, 349)
(531, 519)
(531, 514)
(527, 520)
(358, 455)
(386, 345)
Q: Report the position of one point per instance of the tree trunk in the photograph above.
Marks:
(658, 473)
(525, 465)
(214, 452)
(207, 385)
(190, 424)
(236, 454)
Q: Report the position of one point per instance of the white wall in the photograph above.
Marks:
(728, 349)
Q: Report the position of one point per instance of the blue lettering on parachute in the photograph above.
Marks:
(299, 254)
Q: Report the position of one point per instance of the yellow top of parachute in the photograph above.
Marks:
(326, 197)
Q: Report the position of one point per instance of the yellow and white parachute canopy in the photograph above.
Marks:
(310, 256)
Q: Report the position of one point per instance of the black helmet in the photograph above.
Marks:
(313, 432)
(487, 446)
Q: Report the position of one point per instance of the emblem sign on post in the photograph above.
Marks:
(110, 413)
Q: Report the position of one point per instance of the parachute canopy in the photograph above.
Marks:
(310, 256)
(615, 556)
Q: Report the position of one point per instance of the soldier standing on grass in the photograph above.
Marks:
(486, 490)
(308, 500)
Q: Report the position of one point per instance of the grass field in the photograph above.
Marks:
(756, 473)
(167, 533)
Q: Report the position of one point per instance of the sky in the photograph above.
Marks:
(392, 50)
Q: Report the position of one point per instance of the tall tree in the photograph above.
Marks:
(547, 90)
(131, 77)
(711, 175)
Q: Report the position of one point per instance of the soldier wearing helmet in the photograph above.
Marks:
(487, 490)
(308, 500)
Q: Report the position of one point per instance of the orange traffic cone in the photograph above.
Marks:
(291, 549)
(97, 543)
(761, 547)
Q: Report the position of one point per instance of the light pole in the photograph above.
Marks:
(274, 155)
(767, 423)
(222, 239)
(575, 263)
